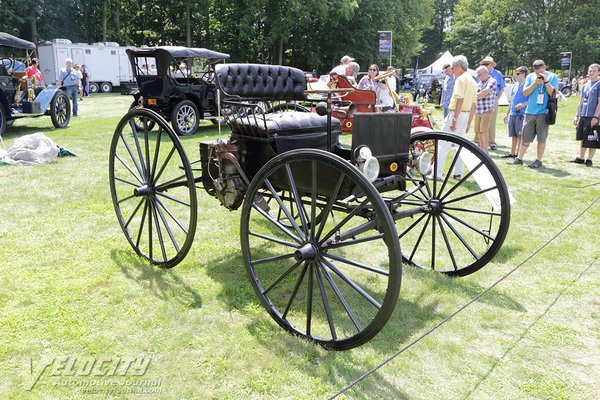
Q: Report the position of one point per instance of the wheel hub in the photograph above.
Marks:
(145, 190)
(435, 207)
(308, 252)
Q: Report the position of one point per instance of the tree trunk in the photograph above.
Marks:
(104, 20)
(188, 30)
(118, 22)
(33, 21)
(280, 57)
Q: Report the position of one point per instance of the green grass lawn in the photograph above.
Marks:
(72, 291)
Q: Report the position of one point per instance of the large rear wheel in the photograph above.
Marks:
(466, 218)
(152, 188)
(328, 268)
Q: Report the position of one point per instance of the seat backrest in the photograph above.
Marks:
(258, 81)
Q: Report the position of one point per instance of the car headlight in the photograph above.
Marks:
(367, 164)
(424, 163)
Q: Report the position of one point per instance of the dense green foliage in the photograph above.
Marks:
(315, 34)
(307, 34)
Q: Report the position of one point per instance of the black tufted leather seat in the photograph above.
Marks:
(243, 85)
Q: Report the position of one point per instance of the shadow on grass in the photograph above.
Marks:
(162, 283)
(559, 173)
(15, 131)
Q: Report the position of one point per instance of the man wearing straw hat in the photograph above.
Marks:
(489, 63)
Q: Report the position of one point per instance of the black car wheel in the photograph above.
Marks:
(139, 122)
(2, 120)
(60, 110)
(566, 91)
(184, 118)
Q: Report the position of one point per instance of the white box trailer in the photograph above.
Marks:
(107, 62)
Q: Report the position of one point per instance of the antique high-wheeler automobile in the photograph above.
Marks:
(324, 227)
(21, 96)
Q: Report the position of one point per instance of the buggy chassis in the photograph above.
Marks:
(324, 228)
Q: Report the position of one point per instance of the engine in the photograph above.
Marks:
(226, 180)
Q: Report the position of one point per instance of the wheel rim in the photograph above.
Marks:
(152, 187)
(61, 109)
(460, 231)
(186, 119)
(317, 280)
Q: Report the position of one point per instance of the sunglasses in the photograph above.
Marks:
(538, 65)
(485, 64)
(372, 69)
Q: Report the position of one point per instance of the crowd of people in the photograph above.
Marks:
(468, 101)
(75, 79)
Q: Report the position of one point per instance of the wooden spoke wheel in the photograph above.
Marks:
(466, 218)
(152, 188)
(330, 270)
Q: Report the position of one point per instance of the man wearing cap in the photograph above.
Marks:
(489, 63)
(459, 118)
(341, 69)
(485, 106)
(539, 86)
(447, 87)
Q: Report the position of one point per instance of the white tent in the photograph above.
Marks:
(437, 66)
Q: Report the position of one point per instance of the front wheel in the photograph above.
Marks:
(60, 110)
(184, 118)
(152, 188)
(94, 88)
(566, 91)
(465, 214)
(2, 120)
(320, 248)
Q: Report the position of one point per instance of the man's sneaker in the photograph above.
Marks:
(509, 156)
(515, 161)
(457, 176)
(588, 163)
(577, 160)
(535, 164)
(493, 146)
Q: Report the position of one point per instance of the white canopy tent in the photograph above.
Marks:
(446, 58)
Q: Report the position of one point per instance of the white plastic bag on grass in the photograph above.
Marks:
(36, 148)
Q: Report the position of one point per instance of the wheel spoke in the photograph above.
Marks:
(271, 259)
(276, 223)
(167, 227)
(156, 149)
(150, 243)
(136, 139)
(433, 221)
(355, 264)
(135, 160)
(459, 236)
(301, 210)
(272, 239)
(412, 226)
(126, 181)
(470, 210)
(467, 196)
(329, 205)
(158, 230)
(164, 165)
(352, 242)
(283, 208)
(448, 246)
(343, 222)
(464, 179)
(341, 298)
(295, 291)
(313, 200)
(353, 285)
(142, 222)
(281, 277)
(309, 296)
(162, 186)
(173, 199)
(126, 198)
(171, 215)
(456, 156)
(470, 226)
(326, 304)
(420, 237)
(134, 212)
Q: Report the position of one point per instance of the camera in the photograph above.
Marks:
(540, 77)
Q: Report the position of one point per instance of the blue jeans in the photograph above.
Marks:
(445, 111)
(73, 92)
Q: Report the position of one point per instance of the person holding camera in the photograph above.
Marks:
(539, 86)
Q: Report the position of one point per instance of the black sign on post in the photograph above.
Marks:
(565, 61)
(385, 45)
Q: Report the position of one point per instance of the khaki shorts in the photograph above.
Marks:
(482, 122)
(535, 125)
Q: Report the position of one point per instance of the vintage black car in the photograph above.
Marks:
(21, 96)
(177, 82)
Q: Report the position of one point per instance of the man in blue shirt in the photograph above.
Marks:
(69, 78)
(447, 87)
(489, 63)
(516, 112)
(588, 113)
(539, 86)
